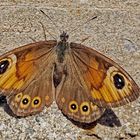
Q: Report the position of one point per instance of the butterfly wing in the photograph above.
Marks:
(107, 84)
(26, 77)
(73, 99)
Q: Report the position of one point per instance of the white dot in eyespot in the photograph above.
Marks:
(1, 66)
(120, 80)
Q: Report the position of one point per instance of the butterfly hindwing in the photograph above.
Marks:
(26, 77)
(108, 84)
(73, 99)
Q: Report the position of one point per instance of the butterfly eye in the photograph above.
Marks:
(3, 66)
(64, 36)
(36, 102)
(73, 106)
(25, 101)
(119, 81)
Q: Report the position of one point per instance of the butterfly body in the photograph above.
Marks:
(82, 81)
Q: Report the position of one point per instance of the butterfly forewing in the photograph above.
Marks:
(108, 84)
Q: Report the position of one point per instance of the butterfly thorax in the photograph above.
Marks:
(62, 47)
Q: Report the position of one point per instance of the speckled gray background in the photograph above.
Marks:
(116, 33)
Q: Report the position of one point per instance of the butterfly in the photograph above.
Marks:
(82, 81)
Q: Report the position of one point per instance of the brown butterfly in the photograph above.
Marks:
(82, 81)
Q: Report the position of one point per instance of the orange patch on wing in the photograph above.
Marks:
(94, 64)
(105, 94)
(7, 75)
(25, 69)
(94, 78)
(47, 98)
(18, 84)
(108, 92)
(96, 94)
(29, 56)
(10, 79)
(9, 83)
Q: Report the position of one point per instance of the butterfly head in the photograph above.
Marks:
(64, 37)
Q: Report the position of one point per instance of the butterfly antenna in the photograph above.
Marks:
(51, 21)
(83, 24)
(32, 39)
(47, 32)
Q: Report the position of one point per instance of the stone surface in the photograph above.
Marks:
(115, 33)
